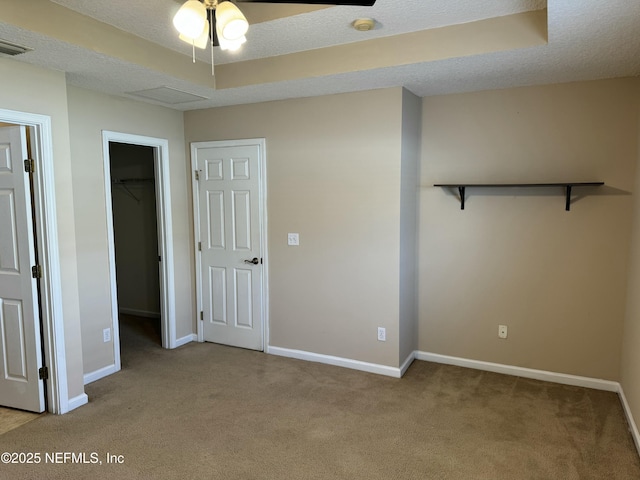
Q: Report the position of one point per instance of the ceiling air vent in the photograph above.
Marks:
(12, 49)
(171, 96)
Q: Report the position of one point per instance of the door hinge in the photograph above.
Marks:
(199, 246)
(36, 271)
(197, 174)
(29, 165)
(201, 315)
(43, 373)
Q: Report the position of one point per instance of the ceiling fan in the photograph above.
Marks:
(221, 23)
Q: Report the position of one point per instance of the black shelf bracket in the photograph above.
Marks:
(568, 186)
(567, 205)
(461, 190)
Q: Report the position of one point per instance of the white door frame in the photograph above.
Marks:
(165, 236)
(262, 200)
(47, 238)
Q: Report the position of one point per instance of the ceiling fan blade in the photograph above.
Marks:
(359, 3)
(258, 12)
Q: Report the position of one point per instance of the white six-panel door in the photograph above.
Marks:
(228, 229)
(20, 354)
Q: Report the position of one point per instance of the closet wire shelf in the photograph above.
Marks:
(123, 182)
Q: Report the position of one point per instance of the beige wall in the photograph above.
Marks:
(89, 114)
(557, 279)
(409, 197)
(631, 345)
(30, 89)
(333, 176)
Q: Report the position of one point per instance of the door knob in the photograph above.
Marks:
(254, 261)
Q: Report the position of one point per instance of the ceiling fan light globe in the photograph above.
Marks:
(201, 41)
(231, 45)
(191, 19)
(235, 29)
(231, 22)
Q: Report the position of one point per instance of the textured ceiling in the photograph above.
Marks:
(587, 39)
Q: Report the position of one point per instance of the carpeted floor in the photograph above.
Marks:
(206, 411)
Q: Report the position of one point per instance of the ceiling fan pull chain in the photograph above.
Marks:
(212, 74)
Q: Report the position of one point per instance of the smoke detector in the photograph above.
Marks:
(364, 24)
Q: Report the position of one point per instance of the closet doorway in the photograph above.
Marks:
(140, 242)
(133, 201)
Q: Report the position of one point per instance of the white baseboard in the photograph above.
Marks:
(337, 361)
(633, 428)
(544, 375)
(192, 337)
(407, 363)
(100, 373)
(76, 402)
(139, 313)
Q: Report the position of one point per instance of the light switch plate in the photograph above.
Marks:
(293, 239)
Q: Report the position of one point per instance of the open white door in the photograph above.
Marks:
(228, 204)
(20, 351)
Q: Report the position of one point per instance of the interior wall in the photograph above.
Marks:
(26, 88)
(333, 176)
(409, 197)
(89, 114)
(631, 345)
(135, 229)
(557, 279)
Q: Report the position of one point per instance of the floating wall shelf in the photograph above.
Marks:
(567, 186)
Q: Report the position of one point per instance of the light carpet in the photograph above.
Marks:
(206, 411)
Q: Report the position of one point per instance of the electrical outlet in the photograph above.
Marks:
(106, 335)
(293, 239)
(502, 331)
(382, 334)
